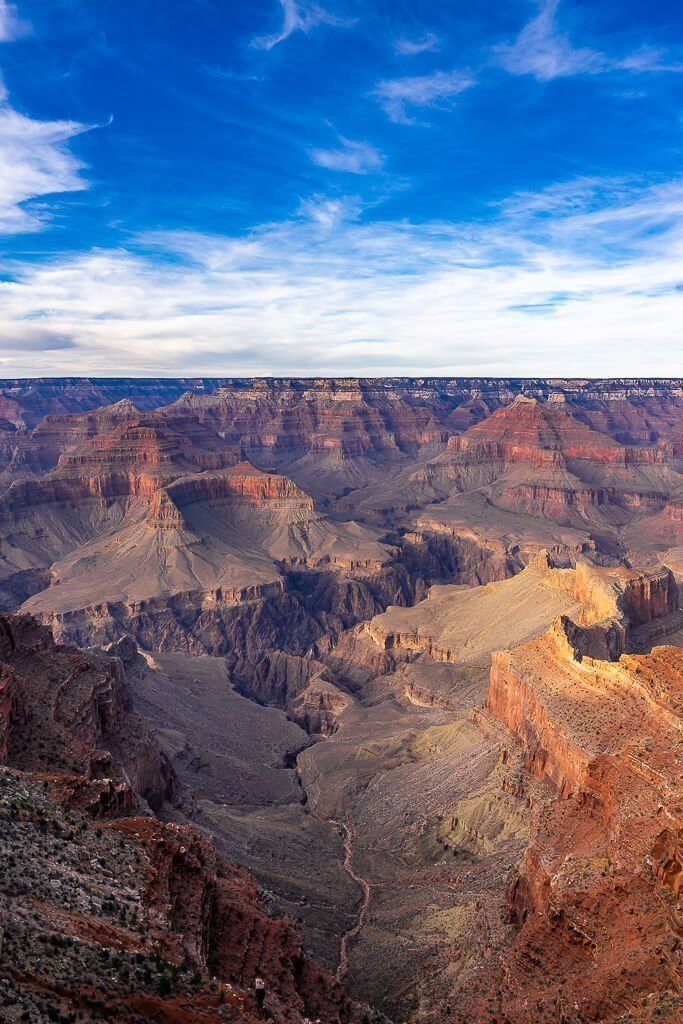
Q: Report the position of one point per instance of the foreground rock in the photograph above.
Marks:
(111, 916)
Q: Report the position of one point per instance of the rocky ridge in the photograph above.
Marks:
(597, 896)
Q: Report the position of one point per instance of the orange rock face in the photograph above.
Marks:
(596, 898)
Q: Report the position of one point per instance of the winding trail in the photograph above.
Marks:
(349, 935)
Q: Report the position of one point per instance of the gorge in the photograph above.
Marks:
(372, 688)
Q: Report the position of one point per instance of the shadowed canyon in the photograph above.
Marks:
(370, 688)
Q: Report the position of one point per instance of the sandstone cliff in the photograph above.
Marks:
(595, 898)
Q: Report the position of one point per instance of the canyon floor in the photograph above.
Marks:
(409, 653)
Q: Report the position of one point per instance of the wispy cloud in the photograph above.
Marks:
(329, 214)
(11, 25)
(35, 160)
(410, 46)
(576, 279)
(544, 50)
(398, 95)
(351, 157)
(299, 16)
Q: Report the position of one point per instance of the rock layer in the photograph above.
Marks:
(595, 898)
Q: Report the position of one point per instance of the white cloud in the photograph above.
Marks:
(543, 50)
(329, 214)
(11, 25)
(34, 157)
(352, 157)
(396, 95)
(299, 16)
(409, 47)
(541, 289)
(34, 162)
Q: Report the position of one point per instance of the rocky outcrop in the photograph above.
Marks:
(539, 461)
(612, 605)
(594, 898)
(528, 432)
(281, 420)
(303, 686)
(667, 858)
(109, 914)
(11, 708)
(451, 623)
(65, 710)
(127, 914)
(651, 594)
(243, 486)
(244, 942)
(117, 453)
(436, 553)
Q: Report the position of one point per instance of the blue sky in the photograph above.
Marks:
(343, 187)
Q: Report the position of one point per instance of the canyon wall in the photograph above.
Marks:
(595, 897)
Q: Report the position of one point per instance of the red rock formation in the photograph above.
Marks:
(10, 708)
(539, 460)
(651, 594)
(132, 461)
(99, 798)
(594, 898)
(275, 420)
(242, 485)
(332, 425)
(529, 432)
(210, 911)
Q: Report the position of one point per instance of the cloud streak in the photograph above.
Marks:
(398, 95)
(350, 157)
(11, 25)
(544, 51)
(35, 162)
(408, 46)
(540, 289)
(299, 16)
